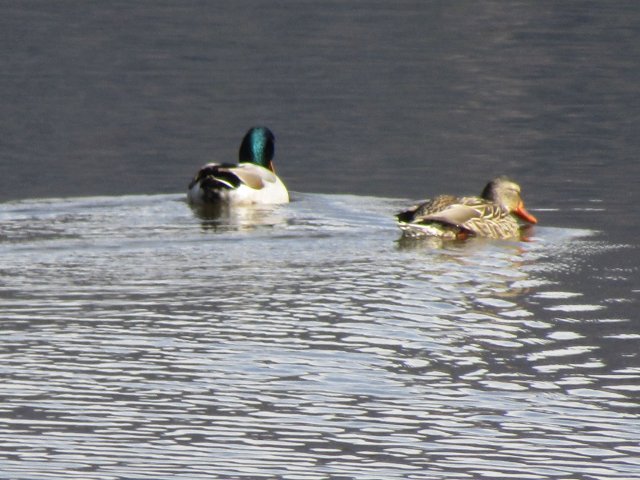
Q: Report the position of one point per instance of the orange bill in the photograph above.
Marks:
(523, 214)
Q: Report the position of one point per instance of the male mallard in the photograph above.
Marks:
(492, 214)
(251, 181)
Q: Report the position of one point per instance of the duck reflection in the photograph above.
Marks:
(408, 242)
(226, 218)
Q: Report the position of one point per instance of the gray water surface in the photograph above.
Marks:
(143, 340)
(303, 341)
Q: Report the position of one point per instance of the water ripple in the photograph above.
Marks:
(311, 345)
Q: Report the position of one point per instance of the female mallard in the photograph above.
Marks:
(492, 214)
(251, 181)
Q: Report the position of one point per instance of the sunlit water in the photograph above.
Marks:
(142, 341)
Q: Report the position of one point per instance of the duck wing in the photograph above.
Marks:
(456, 215)
(426, 207)
(231, 176)
(216, 175)
(477, 217)
(466, 213)
(254, 176)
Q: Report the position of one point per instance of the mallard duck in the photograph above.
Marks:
(492, 214)
(251, 181)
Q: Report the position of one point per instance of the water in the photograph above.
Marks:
(142, 340)
(308, 344)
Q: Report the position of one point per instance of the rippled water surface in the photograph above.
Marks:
(143, 341)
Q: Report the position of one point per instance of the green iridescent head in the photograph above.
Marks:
(258, 147)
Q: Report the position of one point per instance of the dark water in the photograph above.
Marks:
(140, 341)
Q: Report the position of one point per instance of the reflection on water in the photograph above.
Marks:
(144, 340)
(221, 217)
